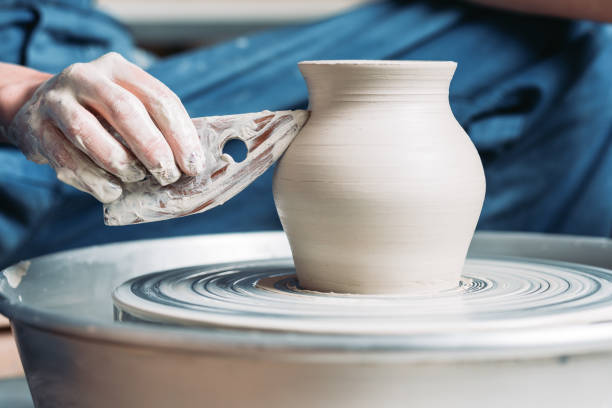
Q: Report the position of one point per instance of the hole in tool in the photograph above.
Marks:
(235, 148)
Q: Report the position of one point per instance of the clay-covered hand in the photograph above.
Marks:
(105, 122)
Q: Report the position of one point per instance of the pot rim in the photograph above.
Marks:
(417, 64)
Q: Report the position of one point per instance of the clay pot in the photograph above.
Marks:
(382, 189)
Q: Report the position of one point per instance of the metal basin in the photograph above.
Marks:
(76, 355)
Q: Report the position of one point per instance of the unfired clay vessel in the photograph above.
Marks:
(382, 189)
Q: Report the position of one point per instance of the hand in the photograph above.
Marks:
(66, 124)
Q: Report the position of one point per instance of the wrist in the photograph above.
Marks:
(15, 91)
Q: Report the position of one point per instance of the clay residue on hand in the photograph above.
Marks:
(15, 273)
(266, 135)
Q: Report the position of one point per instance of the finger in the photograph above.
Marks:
(128, 116)
(84, 131)
(164, 107)
(75, 168)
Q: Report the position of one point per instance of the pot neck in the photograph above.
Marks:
(385, 84)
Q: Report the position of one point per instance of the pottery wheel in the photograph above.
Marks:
(265, 295)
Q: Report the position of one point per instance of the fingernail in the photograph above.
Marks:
(166, 174)
(108, 191)
(133, 172)
(196, 163)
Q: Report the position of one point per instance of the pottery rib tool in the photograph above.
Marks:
(266, 136)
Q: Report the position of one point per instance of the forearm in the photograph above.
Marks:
(17, 84)
(600, 10)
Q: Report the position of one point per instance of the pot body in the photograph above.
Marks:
(382, 189)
